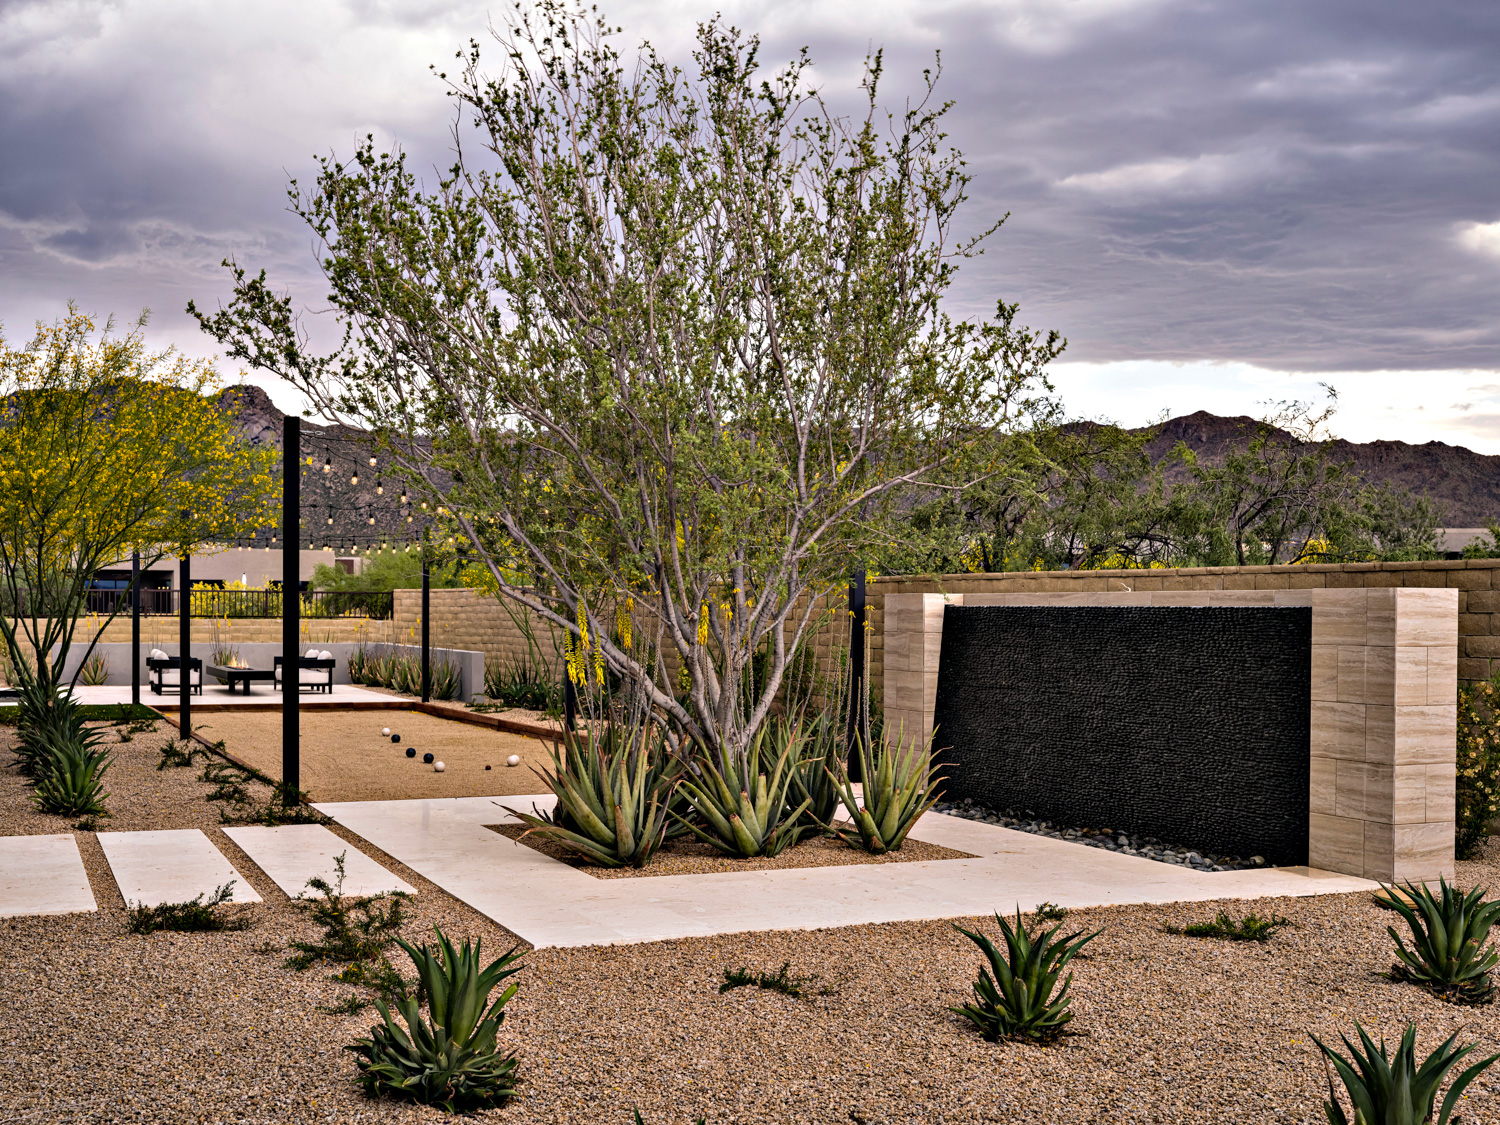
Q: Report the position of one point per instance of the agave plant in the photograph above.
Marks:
(450, 1060)
(1382, 1089)
(72, 781)
(745, 800)
(898, 788)
(815, 780)
(1017, 996)
(613, 789)
(46, 719)
(1448, 954)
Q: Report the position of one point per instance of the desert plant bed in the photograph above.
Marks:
(180, 1027)
(684, 856)
(345, 757)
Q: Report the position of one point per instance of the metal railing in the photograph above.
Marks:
(377, 605)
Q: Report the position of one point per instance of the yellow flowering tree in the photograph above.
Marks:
(106, 448)
(1477, 799)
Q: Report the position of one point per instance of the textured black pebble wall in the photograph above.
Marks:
(1190, 724)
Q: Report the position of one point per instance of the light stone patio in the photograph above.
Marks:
(214, 695)
(549, 903)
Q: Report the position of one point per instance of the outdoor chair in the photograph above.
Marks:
(315, 671)
(165, 672)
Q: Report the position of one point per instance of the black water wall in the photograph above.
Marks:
(1190, 724)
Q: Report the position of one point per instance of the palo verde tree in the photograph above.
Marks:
(665, 346)
(105, 448)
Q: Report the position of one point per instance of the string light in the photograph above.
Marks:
(328, 464)
(354, 477)
(372, 460)
(379, 487)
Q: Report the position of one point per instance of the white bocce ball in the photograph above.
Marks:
(513, 760)
(385, 731)
(438, 767)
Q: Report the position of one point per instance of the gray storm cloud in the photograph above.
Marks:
(1299, 186)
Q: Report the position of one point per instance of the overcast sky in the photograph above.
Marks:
(1219, 204)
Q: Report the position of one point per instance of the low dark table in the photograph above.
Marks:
(245, 676)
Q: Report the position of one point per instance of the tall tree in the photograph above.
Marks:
(669, 341)
(106, 448)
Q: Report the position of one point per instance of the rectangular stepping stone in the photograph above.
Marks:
(43, 875)
(174, 865)
(294, 853)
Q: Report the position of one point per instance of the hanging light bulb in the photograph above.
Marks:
(379, 487)
(330, 521)
(424, 505)
(328, 464)
(408, 519)
(354, 477)
(372, 460)
(372, 520)
(403, 495)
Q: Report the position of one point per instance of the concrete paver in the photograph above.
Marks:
(549, 903)
(43, 875)
(171, 865)
(294, 853)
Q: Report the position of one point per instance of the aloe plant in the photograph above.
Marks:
(1383, 1089)
(898, 788)
(449, 1060)
(1448, 954)
(815, 780)
(745, 800)
(613, 789)
(1017, 996)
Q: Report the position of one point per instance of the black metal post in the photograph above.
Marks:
(859, 718)
(291, 607)
(185, 646)
(426, 627)
(135, 631)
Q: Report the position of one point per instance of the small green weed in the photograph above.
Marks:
(89, 823)
(350, 1005)
(795, 985)
(1252, 927)
(1049, 912)
(176, 755)
(191, 917)
(638, 1121)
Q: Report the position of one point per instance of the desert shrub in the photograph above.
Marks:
(1017, 996)
(1252, 927)
(72, 781)
(1448, 955)
(179, 755)
(191, 917)
(1477, 797)
(1385, 1089)
(357, 929)
(523, 681)
(450, 1058)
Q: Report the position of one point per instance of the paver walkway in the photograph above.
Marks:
(549, 903)
(172, 865)
(294, 853)
(43, 875)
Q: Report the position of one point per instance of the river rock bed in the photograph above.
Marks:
(1146, 847)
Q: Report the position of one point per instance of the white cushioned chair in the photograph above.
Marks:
(165, 672)
(315, 671)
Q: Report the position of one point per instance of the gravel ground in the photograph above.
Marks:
(345, 757)
(97, 1025)
(689, 857)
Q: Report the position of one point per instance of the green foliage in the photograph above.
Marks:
(1017, 996)
(815, 778)
(898, 788)
(450, 1059)
(1448, 955)
(613, 787)
(357, 929)
(1252, 927)
(699, 382)
(1049, 912)
(1382, 1089)
(743, 803)
(1477, 762)
(191, 917)
(386, 570)
(1486, 546)
(521, 681)
(783, 980)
